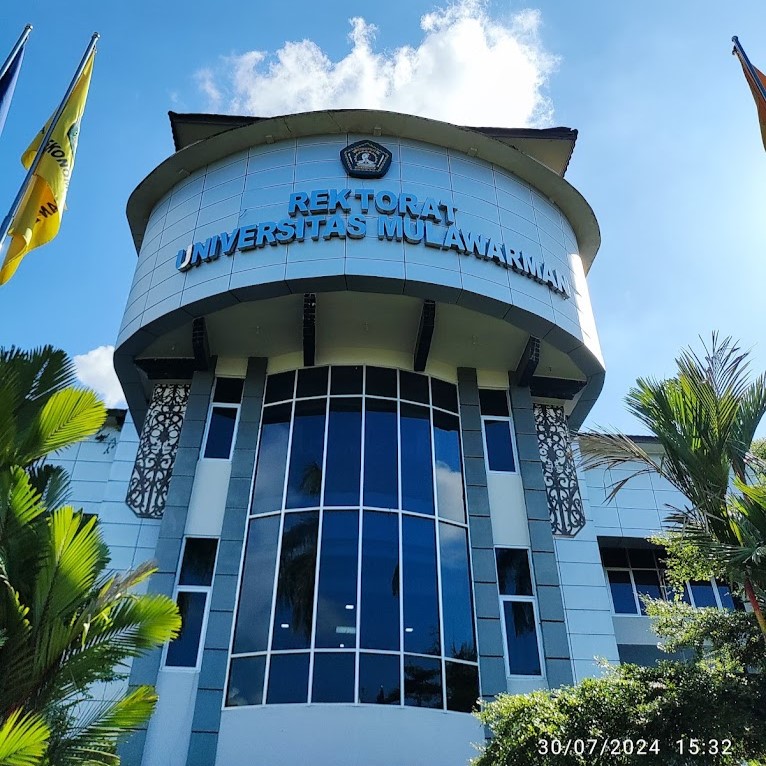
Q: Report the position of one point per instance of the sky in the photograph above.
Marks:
(669, 153)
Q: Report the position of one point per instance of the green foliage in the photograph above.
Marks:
(66, 621)
(665, 703)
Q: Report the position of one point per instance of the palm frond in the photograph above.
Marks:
(23, 739)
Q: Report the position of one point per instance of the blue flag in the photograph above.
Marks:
(8, 85)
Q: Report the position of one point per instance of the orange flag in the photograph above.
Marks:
(757, 82)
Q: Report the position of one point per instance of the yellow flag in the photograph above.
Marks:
(39, 216)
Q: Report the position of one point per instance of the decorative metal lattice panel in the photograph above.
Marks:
(559, 473)
(148, 488)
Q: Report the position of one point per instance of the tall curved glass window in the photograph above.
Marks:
(355, 583)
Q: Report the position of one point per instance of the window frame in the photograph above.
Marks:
(207, 590)
(502, 598)
(514, 449)
(221, 405)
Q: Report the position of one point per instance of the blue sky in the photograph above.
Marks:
(669, 153)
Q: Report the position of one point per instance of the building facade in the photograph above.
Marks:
(353, 352)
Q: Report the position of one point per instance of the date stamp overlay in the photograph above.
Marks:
(633, 747)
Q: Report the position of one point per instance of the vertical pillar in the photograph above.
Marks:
(490, 635)
(212, 680)
(144, 670)
(558, 663)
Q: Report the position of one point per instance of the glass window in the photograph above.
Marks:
(702, 593)
(183, 650)
(280, 387)
(647, 584)
(497, 434)
(379, 679)
(346, 380)
(521, 635)
(294, 607)
(304, 483)
(333, 677)
(444, 395)
(288, 678)
(246, 681)
(459, 640)
(413, 387)
(252, 628)
(381, 485)
(380, 581)
(642, 558)
(220, 432)
(417, 475)
(336, 596)
(228, 390)
(513, 576)
(623, 597)
(421, 599)
(727, 600)
(312, 381)
(422, 681)
(614, 557)
(272, 458)
(344, 452)
(198, 561)
(449, 467)
(493, 402)
(462, 686)
(381, 382)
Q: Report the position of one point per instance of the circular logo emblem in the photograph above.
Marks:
(366, 159)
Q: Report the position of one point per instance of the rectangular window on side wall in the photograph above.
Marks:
(497, 428)
(635, 572)
(223, 418)
(519, 612)
(192, 594)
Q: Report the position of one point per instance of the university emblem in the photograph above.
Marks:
(366, 159)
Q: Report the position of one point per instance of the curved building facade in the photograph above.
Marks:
(353, 348)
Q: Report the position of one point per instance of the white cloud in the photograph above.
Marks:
(468, 68)
(96, 370)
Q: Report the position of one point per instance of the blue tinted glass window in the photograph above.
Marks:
(304, 483)
(246, 681)
(280, 387)
(521, 634)
(417, 476)
(381, 486)
(288, 679)
(702, 593)
(462, 687)
(380, 581)
(220, 433)
(333, 677)
(272, 459)
(344, 452)
(199, 561)
(312, 381)
(513, 578)
(648, 584)
(499, 445)
(336, 599)
(346, 380)
(622, 592)
(381, 382)
(379, 679)
(413, 387)
(422, 681)
(252, 630)
(228, 390)
(183, 650)
(444, 395)
(459, 641)
(727, 602)
(294, 608)
(421, 604)
(449, 467)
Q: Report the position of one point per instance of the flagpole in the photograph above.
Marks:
(740, 52)
(6, 224)
(16, 48)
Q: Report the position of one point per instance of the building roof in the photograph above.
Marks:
(553, 147)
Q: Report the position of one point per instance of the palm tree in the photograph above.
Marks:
(66, 621)
(704, 419)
